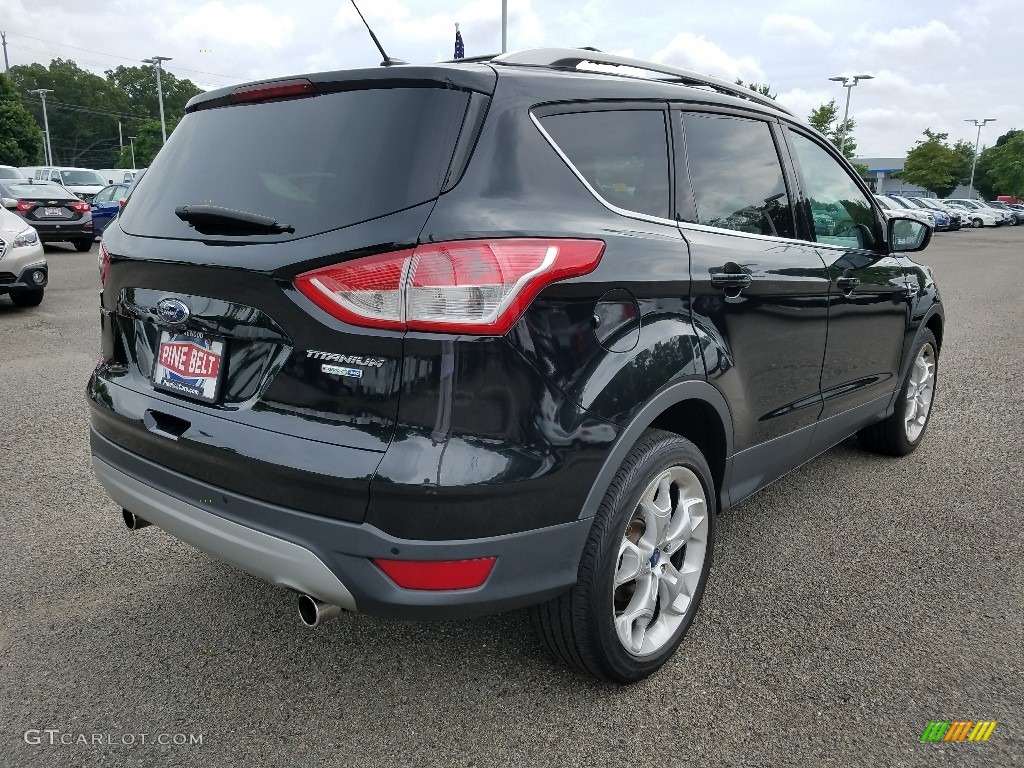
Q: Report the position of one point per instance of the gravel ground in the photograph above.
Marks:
(850, 603)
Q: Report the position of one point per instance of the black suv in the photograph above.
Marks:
(446, 340)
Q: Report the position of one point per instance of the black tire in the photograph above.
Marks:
(27, 297)
(977, 223)
(578, 627)
(82, 245)
(890, 436)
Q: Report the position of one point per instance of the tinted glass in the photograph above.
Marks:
(842, 212)
(38, 190)
(736, 175)
(622, 154)
(316, 164)
(103, 196)
(10, 173)
(83, 178)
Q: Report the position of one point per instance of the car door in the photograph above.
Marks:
(102, 208)
(759, 292)
(869, 297)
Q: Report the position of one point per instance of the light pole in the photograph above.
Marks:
(47, 150)
(974, 165)
(848, 83)
(157, 62)
(131, 140)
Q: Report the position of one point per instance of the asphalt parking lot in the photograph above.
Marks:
(850, 603)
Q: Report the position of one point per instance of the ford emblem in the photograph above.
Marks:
(172, 311)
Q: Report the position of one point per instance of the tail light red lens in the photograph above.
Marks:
(23, 206)
(81, 207)
(469, 286)
(437, 574)
(103, 262)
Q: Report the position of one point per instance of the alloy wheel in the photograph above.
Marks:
(660, 561)
(920, 390)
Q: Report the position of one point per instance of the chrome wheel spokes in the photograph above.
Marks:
(660, 561)
(920, 390)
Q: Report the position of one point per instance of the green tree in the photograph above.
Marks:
(933, 164)
(138, 85)
(84, 109)
(1004, 165)
(763, 88)
(148, 142)
(21, 140)
(825, 119)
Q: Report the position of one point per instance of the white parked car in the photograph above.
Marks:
(11, 173)
(118, 175)
(22, 260)
(890, 207)
(84, 183)
(979, 215)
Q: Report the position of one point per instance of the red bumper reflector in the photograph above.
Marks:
(437, 574)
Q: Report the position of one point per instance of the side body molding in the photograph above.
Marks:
(663, 400)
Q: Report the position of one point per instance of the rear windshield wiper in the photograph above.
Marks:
(215, 220)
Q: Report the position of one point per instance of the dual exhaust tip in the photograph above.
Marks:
(313, 612)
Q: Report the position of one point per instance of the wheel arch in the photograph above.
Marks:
(692, 409)
(934, 324)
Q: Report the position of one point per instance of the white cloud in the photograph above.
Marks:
(697, 53)
(934, 38)
(785, 28)
(243, 25)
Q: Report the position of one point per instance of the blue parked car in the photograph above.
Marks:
(106, 204)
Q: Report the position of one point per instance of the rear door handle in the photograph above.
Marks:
(730, 280)
(847, 284)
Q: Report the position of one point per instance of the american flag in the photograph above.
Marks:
(460, 48)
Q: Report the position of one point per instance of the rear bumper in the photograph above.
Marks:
(331, 559)
(73, 230)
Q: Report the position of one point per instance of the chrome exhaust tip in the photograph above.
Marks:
(132, 521)
(315, 612)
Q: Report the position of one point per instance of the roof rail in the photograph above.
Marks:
(571, 57)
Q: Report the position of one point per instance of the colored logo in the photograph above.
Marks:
(959, 730)
(172, 311)
(191, 360)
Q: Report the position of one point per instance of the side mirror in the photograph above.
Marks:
(908, 234)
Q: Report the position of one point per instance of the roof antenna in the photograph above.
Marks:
(388, 61)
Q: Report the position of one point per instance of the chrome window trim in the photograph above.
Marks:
(681, 225)
(594, 192)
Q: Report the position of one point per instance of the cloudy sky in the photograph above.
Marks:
(936, 63)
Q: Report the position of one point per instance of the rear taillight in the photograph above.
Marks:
(81, 207)
(23, 206)
(469, 286)
(103, 262)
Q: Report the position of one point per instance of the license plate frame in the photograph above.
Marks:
(53, 212)
(190, 364)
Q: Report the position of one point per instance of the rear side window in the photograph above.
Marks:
(315, 164)
(736, 175)
(622, 154)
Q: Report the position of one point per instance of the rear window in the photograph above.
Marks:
(315, 164)
(45, 189)
(82, 178)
